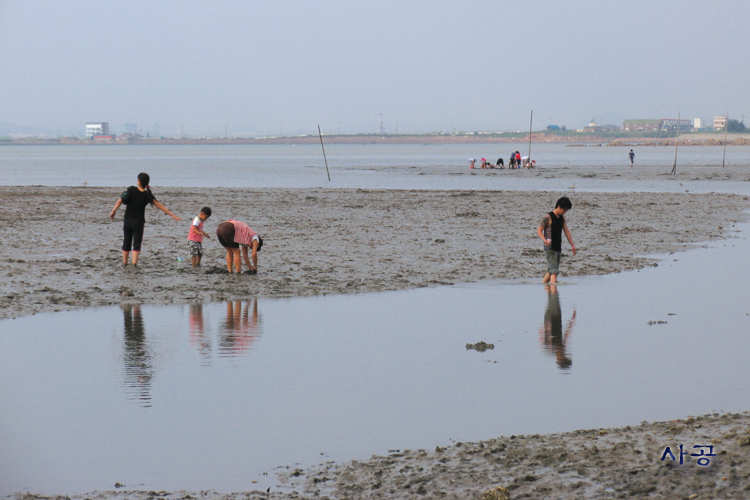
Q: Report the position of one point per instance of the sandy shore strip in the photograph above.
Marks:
(589, 464)
(60, 251)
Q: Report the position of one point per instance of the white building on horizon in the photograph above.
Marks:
(97, 128)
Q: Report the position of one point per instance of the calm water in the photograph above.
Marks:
(364, 166)
(214, 395)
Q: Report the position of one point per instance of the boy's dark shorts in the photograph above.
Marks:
(196, 248)
(553, 261)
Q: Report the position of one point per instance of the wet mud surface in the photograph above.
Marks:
(589, 464)
(598, 463)
(60, 251)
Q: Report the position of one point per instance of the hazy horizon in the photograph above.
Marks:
(283, 68)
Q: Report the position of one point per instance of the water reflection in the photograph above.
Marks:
(199, 337)
(234, 336)
(241, 328)
(554, 339)
(137, 357)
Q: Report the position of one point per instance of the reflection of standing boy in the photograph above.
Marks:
(553, 338)
(550, 231)
(195, 237)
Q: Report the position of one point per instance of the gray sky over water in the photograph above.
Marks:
(286, 66)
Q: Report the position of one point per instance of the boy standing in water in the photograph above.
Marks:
(550, 231)
(195, 237)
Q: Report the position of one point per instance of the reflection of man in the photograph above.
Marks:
(137, 359)
(241, 328)
(551, 334)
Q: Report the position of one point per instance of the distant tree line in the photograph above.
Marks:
(736, 126)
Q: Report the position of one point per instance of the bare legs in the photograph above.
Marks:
(233, 260)
(125, 258)
(550, 278)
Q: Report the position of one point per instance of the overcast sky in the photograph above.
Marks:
(282, 66)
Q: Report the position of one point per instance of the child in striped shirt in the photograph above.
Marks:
(196, 234)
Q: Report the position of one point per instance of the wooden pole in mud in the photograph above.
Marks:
(324, 152)
(676, 143)
(531, 120)
(726, 129)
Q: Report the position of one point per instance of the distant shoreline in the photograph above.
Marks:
(690, 139)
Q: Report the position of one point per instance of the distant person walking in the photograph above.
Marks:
(632, 157)
(136, 198)
(550, 231)
(235, 235)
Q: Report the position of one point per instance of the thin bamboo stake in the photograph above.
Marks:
(676, 143)
(324, 152)
(726, 129)
(531, 120)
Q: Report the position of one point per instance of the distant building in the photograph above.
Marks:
(592, 127)
(664, 124)
(639, 125)
(697, 123)
(130, 128)
(97, 128)
(674, 124)
(720, 122)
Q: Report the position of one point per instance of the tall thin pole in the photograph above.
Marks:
(531, 120)
(324, 152)
(726, 129)
(676, 143)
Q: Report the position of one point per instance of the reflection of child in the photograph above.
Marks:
(195, 237)
(554, 339)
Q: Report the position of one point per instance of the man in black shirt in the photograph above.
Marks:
(135, 199)
(550, 231)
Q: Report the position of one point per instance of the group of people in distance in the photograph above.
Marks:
(515, 161)
(235, 236)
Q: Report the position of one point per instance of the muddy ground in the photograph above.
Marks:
(60, 251)
(623, 463)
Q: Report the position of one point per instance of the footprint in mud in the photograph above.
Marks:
(216, 270)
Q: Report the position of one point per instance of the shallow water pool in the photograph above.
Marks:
(219, 395)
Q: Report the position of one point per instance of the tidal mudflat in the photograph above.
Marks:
(61, 252)
(189, 397)
(348, 250)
